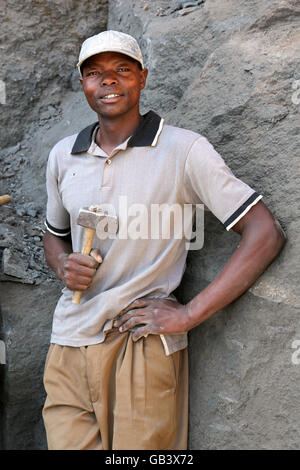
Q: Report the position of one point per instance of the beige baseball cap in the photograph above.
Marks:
(110, 41)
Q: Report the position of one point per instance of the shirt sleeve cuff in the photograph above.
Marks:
(242, 210)
(56, 231)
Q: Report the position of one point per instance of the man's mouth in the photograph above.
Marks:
(110, 96)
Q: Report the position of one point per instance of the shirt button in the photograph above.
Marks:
(108, 161)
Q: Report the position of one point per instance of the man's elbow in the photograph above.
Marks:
(274, 238)
(262, 234)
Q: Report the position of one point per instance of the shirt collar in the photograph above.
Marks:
(146, 134)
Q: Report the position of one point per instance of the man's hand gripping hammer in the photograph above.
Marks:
(92, 219)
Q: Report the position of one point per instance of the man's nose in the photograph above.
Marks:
(108, 78)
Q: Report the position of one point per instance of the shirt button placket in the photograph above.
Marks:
(107, 178)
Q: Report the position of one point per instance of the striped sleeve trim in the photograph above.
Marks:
(56, 231)
(241, 211)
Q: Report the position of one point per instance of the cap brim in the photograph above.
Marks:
(109, 50)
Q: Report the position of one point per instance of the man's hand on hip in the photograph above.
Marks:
(157, 316)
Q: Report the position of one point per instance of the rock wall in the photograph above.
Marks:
(40, 42)
(39, 105)
(228, 70)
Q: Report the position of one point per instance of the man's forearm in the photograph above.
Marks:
(262, 239)
(259, 246)
(74, 269)
(55, 249)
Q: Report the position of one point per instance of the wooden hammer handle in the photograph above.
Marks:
(88, 237)
(4, 199)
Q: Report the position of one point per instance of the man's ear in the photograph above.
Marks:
(143, 78)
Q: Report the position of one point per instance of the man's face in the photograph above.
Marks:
(112, 84)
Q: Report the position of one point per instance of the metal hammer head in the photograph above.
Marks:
(95, 217)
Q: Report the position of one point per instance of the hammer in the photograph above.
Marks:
(92, 219)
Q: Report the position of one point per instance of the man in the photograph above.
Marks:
(116, 370)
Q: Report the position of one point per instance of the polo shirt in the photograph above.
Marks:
(159, 164)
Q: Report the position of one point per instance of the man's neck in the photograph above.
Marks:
(112, 132)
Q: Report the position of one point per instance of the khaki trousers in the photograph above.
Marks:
(118, 394)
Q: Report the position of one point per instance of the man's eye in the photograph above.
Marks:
(91, 73)
(123, 69)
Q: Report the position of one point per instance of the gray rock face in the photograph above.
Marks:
(40, 45)
(27, 317)
(228, 70)
(39, 104)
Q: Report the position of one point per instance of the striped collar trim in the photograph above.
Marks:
(146, 134)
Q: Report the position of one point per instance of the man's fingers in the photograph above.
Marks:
(139, 303)
(140, 332)
(83, 260)
(132, 315)
(78, 281)
(81, 270)
(95, 253)
(81, 287)
(138, 325)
